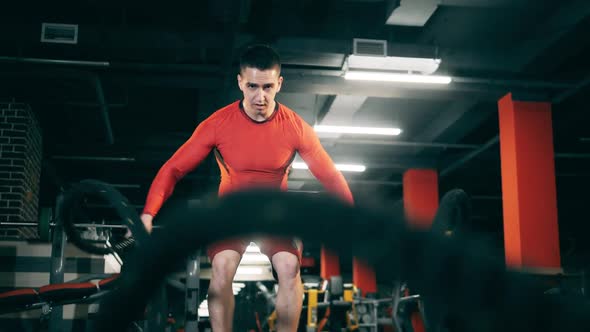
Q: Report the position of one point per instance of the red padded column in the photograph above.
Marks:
(329, 263)
(531, 235)
(420, 204)
(363, 276)
(420, 196)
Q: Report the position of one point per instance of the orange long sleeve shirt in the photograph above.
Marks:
(250, 154)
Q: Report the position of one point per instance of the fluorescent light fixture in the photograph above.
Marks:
(357, 130)
(396, 77)
(424, 66)
(340, 167)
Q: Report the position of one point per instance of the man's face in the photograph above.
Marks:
(260, 88)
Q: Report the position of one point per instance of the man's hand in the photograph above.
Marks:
(147, 222)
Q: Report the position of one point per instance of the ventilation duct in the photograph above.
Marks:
(369, 47)
(59, 33)
(411, 12)
(371, 54)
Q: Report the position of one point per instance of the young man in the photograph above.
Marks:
(255, 141)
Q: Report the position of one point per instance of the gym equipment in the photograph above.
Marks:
(51, 298)
(191, 301)
(457, 276)
(79, 290)
(72, 201)
(71, 207)
(45, 217)
(333, 306)
(56, 273)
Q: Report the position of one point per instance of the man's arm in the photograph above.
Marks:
(184, 160)
(321, 165)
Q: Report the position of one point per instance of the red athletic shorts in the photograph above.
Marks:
(268, 246)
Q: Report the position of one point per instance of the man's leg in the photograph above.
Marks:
(221, 297)
(290, 294)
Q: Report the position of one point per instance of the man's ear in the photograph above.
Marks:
(280, 83)
(239, 77)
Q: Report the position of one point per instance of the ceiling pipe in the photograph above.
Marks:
(93, 158)
(354, 181)
(89, 77)
(484, 147)
(571, 91)
(555, 100)
(402, 143)
(484, 3)
(104, 108)
(40, 61)
(572, 155)
(515, 83)
(217, 70)
(492, 142)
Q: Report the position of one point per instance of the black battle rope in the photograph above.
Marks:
(453, 212)
(461, 278)
(72, 205)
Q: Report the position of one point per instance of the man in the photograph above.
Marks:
(255, 141)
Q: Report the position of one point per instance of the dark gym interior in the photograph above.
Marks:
(116, 87)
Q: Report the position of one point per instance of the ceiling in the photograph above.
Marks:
(157, 70)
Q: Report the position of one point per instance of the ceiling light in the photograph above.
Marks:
(396, 77)
(340, 167)
(357, 130)
(424, 66)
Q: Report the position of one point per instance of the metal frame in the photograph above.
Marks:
(192, 291)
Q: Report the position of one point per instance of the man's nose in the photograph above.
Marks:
(260, 95)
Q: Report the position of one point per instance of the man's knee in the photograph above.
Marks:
(223, 269)
(286, 265)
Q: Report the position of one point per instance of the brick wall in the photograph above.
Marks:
(20, 163)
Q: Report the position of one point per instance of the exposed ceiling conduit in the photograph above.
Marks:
(89, 77)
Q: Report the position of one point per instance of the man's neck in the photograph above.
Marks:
(252, 114)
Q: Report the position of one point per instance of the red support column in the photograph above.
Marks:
(420, 204)
(363, 276)
(420, 196)
(329, 263)
(531, 234)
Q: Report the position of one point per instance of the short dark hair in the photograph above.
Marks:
(261, 57)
